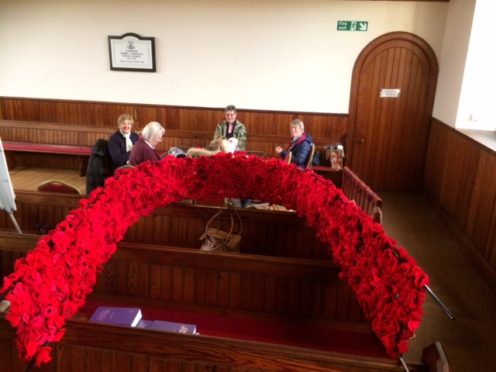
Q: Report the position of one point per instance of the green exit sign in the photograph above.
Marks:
(353, 25)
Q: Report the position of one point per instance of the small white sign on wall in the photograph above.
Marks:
(390, 93)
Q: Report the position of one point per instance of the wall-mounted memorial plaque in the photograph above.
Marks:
(131, 52)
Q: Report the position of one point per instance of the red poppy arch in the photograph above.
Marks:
(51, 283)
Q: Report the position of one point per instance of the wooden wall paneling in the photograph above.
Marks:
(186, 126)
(434, 174)
(463, 167)
(224, 288)
(143, 283)
(211, 287)
(155, 281)
(160, 364)
(329, 300)
(281, 300)
(456, 179)
(460, 176)
(121, 278)
(258, 287)
(457, 172)
(490, 249)
(189, 286)
(132, 279)
(59, 111)
(200, 286)
(177, 284)
(166, 284)
(481, 220)
(306, 299)
(94, 358)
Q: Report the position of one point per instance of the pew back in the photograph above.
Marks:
(265, 232)
(263, 286)
(107, 348)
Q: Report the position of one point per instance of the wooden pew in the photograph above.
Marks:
(22, 153)
(107, 348)
(165, 276)
(311, 323)
(265, 232)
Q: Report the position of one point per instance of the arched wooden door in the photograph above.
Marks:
(388, 135)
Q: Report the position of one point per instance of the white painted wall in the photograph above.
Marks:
(257, 54)
(476, 108)
(453, 59)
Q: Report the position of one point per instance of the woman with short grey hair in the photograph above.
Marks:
(145, 148)
(300, 145)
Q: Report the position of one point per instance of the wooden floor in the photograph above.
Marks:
(30, 178)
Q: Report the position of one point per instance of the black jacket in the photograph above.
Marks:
(117, 149)
(98, 166)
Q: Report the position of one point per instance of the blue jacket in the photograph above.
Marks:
(300, 150)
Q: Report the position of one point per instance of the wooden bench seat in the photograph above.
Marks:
(21, 154)
(47, 148)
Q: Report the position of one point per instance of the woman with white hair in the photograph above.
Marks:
(144, 149)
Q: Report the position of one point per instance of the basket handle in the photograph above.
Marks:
(239, 221)
(232, 211)
(211, 219)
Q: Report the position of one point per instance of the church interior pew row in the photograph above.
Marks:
(253, 312)
(108, 348)
(265, 232)
(262, 286)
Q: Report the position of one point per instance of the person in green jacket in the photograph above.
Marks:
(231, 127)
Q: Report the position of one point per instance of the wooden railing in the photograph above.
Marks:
(355, 189)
